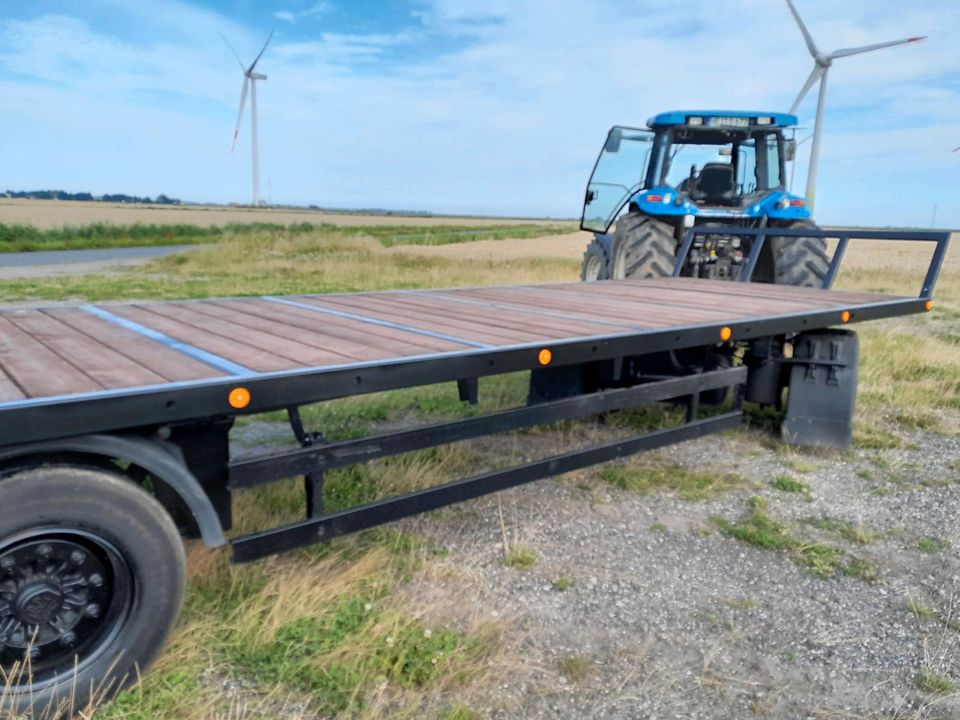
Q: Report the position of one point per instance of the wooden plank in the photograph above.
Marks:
(313, 328)
(99, 361)
(234, 351)
(214, 320)
(834, 297)
(503, 318)
(166, 362)
(380, 309)
(390, 339)
(703, 301)
(8, 388)
(641, 315)
(35, 368)
(506, 301)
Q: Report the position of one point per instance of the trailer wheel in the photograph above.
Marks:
(643, 247)
(801, 261)
(92, 574)
(596, 262)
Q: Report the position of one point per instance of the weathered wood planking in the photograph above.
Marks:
(63, 351)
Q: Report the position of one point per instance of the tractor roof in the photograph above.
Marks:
(715, 118)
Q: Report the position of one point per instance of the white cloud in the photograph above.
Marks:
(508, 119)
(291, 16)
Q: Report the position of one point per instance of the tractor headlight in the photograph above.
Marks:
(783, 203)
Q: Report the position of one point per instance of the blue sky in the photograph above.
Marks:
(494, 107)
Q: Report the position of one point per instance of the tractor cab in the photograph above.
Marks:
(692, 166)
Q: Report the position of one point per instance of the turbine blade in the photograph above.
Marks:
(846, 52)
(239, 62)
(243, 101)
(257, 58)
(811, 45)
(815, 75)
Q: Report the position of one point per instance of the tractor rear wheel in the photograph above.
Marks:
(800, 261)
(643, 248)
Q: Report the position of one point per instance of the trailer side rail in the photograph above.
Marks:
(843, 237)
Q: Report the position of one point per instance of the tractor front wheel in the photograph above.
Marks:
(596, 262)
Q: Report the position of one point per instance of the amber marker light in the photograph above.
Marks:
(725, 333)
(845, 316)
(928, 305)
(239, 398)
(545, 357)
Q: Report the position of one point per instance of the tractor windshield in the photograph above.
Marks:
(722, 168)
(619, 173)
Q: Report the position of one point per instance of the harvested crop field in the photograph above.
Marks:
(731, 577)
(55, 213)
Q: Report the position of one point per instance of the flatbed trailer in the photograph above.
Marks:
(115, 421)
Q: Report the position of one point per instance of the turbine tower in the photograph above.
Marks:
(250, 85)
(821, 66)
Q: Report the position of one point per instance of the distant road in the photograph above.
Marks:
(72, 257)
(22, 265)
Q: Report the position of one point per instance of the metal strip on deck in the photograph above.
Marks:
(214, 361)
(375, 321)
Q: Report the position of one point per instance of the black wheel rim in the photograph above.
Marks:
(64, 596)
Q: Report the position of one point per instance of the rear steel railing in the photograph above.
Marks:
(843, 237)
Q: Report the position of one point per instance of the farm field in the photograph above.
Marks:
(46, 214)
(730, 577)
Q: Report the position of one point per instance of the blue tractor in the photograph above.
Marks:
(699, 167)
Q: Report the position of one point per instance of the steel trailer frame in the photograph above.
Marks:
(177, 436)
(166, 416)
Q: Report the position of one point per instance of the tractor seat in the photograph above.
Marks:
(715, 183)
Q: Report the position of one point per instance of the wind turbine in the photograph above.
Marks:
(821, 66)
(250, 84)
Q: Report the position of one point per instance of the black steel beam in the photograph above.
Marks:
(51, 418)
(308, 532)
(277, 466)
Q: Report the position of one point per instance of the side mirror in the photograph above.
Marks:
(613, 141)
(789, 149)
(591, 196)
(726, 152)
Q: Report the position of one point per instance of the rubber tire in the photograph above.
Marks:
(596, 262)
(108, 505)
(800, 261)
(643, 247)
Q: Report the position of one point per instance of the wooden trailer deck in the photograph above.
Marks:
(60, 352)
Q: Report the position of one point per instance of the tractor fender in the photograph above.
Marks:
(161, 460)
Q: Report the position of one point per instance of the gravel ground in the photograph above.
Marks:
(665, 617)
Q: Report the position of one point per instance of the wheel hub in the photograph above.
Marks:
(51, 594)
(38, 602)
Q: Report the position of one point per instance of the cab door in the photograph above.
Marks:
(617, 176)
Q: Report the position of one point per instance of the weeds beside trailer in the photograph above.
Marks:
(115, 422)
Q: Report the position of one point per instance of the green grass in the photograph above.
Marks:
(520, 557)
(853, 532)
(26, 238)
(575, 668)
(759, 529)
(562, 583)
(283, 262)
(933, 681)
(645, 476)
(932, 545)
(785, 483)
